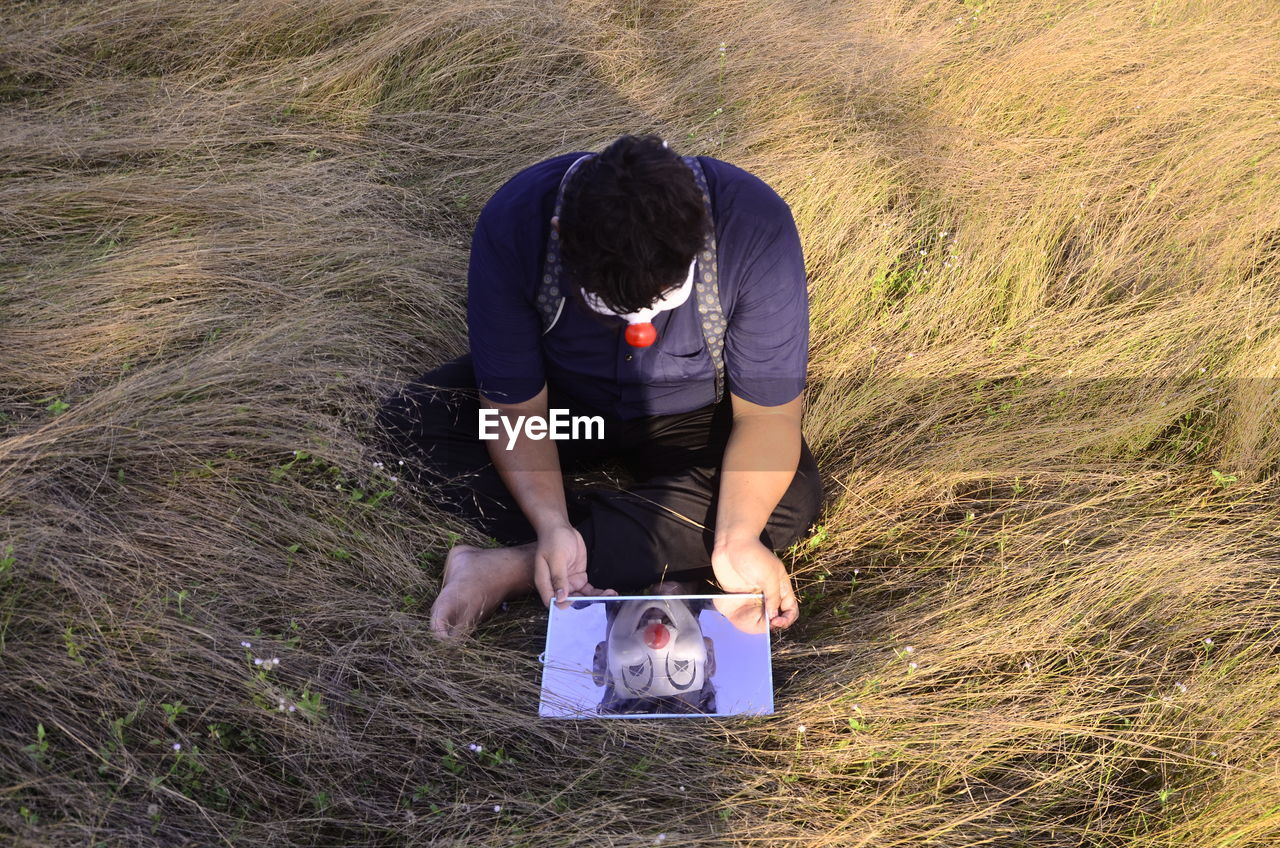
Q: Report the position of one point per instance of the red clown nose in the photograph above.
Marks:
(656, 636)
(641, 335)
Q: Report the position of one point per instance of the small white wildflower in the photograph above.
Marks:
(257, 660)
(293, 708)
(942, 234)
(474, 747)
(662, 837)
(295, 453)
(1202, 369)
(1027, 665)
(681, 788)
(395, 479)
(497, 808)
(177, 746)
(1213, 753)
(402, 462)
(280, 704)
(153, 809)
(246, 644)
(923, 252)
(856, 571)
(909, 649)
(912, 666)
(801, 729)
(1208, 641)
(275, 661)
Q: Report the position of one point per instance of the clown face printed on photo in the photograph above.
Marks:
(654, 658)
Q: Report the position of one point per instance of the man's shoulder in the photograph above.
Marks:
(528, 189)
(742, 194)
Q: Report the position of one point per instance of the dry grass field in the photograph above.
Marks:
(1043, 245)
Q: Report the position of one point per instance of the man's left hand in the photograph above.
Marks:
(748, 566)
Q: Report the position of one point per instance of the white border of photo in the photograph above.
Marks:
(743, 672)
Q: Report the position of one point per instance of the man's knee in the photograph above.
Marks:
(808, 499)
(424, 409)
(391, 412)
(399, 421)
(810, 495)
(799, 507)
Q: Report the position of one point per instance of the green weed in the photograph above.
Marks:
(172, 711)
(39, 749)
(55, 405)
(73, 647)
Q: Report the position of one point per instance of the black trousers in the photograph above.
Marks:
(663, 525)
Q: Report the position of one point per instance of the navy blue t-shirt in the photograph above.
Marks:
(763, 296)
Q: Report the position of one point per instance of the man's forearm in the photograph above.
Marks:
(530, 469)
(760, 461)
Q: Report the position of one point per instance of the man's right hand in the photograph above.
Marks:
(560, 566)
(531, 472)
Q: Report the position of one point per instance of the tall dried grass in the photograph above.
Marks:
(1043, 242)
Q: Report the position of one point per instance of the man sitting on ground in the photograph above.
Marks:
(665, 295)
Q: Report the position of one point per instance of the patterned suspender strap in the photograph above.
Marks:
(707, 284)
(550, 299)
(551, 294)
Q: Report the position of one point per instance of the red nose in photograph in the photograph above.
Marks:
(656, 636)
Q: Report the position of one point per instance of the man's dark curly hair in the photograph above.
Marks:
(631, 222)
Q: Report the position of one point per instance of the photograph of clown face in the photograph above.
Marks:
(652, 656)
(655, 659)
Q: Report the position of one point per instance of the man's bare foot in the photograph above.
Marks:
(476, 581)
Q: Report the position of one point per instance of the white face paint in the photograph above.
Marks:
(670, 300)
(656, 648)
